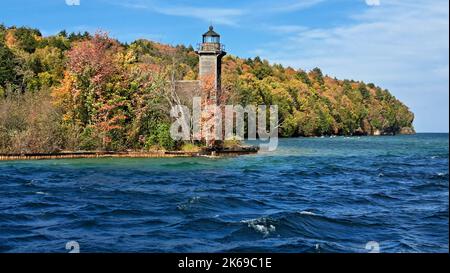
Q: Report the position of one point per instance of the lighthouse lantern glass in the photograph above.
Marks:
(211, 39)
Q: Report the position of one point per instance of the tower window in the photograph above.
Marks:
(211, 39)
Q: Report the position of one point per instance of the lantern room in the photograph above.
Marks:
(211, 36)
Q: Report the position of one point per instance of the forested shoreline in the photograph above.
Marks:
(83, 91)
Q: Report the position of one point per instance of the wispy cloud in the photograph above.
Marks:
(291, 5)
(373, 2)
(287, 28)
(225, 16)
(134, 5)
(401, 45)
(216, 15)
(221, 15)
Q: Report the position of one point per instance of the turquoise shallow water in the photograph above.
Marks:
(310, 195)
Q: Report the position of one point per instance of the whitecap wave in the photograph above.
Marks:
(260, 225)
(304, 212)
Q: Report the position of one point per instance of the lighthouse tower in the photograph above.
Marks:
(210, 53)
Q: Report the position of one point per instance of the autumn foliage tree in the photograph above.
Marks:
(93, 90)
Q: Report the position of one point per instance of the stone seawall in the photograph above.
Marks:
(162, 154)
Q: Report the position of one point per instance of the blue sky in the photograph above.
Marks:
(401, 45)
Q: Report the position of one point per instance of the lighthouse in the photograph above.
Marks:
(210, 53)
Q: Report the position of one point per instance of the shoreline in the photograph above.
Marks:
(110, 154)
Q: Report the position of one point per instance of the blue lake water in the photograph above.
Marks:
(310, 195)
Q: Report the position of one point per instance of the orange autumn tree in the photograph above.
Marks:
(93, 90)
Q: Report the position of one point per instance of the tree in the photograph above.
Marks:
(364, 92)
(8, 63)
(303, 76)
(26, 38)
(96, 87)
(317, 75)
(160, 137)
(261, 69)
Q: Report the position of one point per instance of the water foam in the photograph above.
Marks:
(260, 225)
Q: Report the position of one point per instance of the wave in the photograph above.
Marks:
(440, 176)
(191, 164)
(33, 238)
(220, 204)
(304, 212)
(262, 225)
(430, 186)
(383, 196)
(303, 225)
(125, 212)
(40, 205)
(189, 203)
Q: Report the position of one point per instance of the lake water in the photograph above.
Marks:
(310, 195)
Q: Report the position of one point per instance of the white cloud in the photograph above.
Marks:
(73, 2)
(220, 15)
(225, 16)
(287, 5)
(373, 2)
(287, 28)
(402, 46)
(215, 15)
